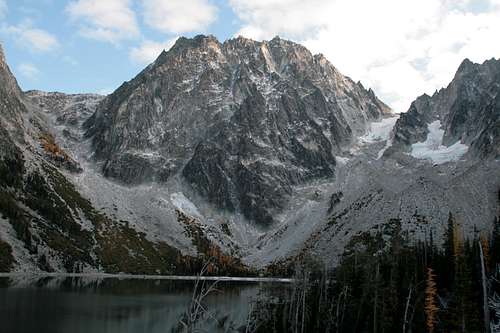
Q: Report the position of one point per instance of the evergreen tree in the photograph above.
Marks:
(449, 250)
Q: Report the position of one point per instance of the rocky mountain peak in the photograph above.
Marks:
(199, 41)
(12, 105)
(188, 48)
(241, 121)
(465, 65)
(473, 73)
(6, 76)
(468, 111)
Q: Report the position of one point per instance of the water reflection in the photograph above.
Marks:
(52, 305)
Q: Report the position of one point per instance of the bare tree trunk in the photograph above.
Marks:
(360, 310)
(337, 312)
(375, 301)
(486, 309)
(339, 317)
(291, 312)
(295, 328)
(322, 295)
(344, 305)
(411, 318)
(405, 319)
(303, 308)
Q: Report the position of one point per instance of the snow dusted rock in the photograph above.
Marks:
(66, 109)
(264, 130)
(468, 111)
(242, 121)
(46, 223)
(441, 160)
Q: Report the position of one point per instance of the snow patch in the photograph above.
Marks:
(158, 105)
(185, 205)
(270, 162)
(147, 154)
(432, 148)
(341, 160)
(388, 144)
(268, 58)
(380, 130)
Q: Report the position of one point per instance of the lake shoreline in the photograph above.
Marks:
(148, 277)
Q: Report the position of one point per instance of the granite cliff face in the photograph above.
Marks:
(46, 223)
(241, 121)
(468, 111)
(248, 153)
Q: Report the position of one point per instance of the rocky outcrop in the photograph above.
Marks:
(11, 104)
(12, 110)
(65, 110)
(242, 121)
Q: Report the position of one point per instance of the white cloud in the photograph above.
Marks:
(29, 71)
(110, 20)
(149, 50)
(179, 16)
(34, 39)
(295, 18)
(399, 48)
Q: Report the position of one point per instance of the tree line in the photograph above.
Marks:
(391, 284)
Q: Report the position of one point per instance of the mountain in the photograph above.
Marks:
(242, 122)
(439, 163)
(253, 154)
(46, 224)
(467, 111)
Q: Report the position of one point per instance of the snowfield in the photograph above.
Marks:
(379, 130)
(185, 205)
(432, 148)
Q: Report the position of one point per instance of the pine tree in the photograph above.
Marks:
(449, 236)
(450, 251)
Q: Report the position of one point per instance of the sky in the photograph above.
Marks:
(399, 48)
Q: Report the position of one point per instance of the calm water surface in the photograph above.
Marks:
(52, 305)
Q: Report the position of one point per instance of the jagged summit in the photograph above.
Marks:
(176, 162)
(241, 121)
(241, 43)
(197, 41)
(464, 65)
(468, 111)
(6, 76)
